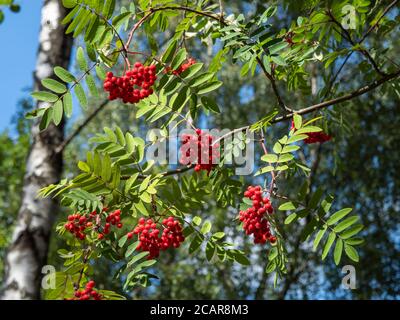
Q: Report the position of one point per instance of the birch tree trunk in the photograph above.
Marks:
(29, 247)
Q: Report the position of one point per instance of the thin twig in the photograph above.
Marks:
(388, 8)
(326, 103)
(78, 130)
(345, 33)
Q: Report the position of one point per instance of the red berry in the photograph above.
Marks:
(254, 221)
(90, 284)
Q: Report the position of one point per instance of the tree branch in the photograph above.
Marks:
(76, 132)
(388, 8)
(340, 99)
(326, 103)
(271, 78)
(345, 33)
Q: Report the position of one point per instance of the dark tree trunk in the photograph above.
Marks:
(28, 250)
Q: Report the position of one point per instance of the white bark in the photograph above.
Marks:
(29, 247)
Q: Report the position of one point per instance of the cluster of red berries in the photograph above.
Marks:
(253, 218)
(182, 68)
(132, 87)
(78, 223)
(114, 218)
(149, 236)
(314, 137)
(89, 293)
(199, 149)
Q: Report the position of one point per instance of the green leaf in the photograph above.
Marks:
(145, 264)
(296, 138)
(106, 168)
(195, 244)
(315, 198)
(338, 215)
(307, 129)
(169, 52)
(287, 149)
(80, 58)
(54, 85)
(83, 21)
(264, 170)
(196, 220)
(270, 158)
(346, 223)
(191, 71)
(289, 219)
(218, 235)
(58, 112)
(77, 19)
(206, 228)
(178, 59)
(287, 206)
(297, 121)
(355, 241)
(328, 245)
(44, 96)
(122, 241)
(64, 75)
(337, 253)
(278, 60)
(210, 104)
(67, 102)
(267, 63)
(131, 249)
(92, 85)
(69, 3)
(351, 231)
(241, 258)
(70, 15)
(84, 166)
(318, 238)
(80, 94)
(108, 8)
(46, 119)
(351, 252)
(138, 257)
(210, 250)
(277, 148)
(119, 20)
(101, 73)
(285, 158)
(277, 47)
(208, 87)
(202, 78)
(273, 254)
(270, 267)
(181, 98)
(282, 168)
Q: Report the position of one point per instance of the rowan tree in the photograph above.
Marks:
(128, 208)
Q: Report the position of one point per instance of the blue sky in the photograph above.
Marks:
(19, 40)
